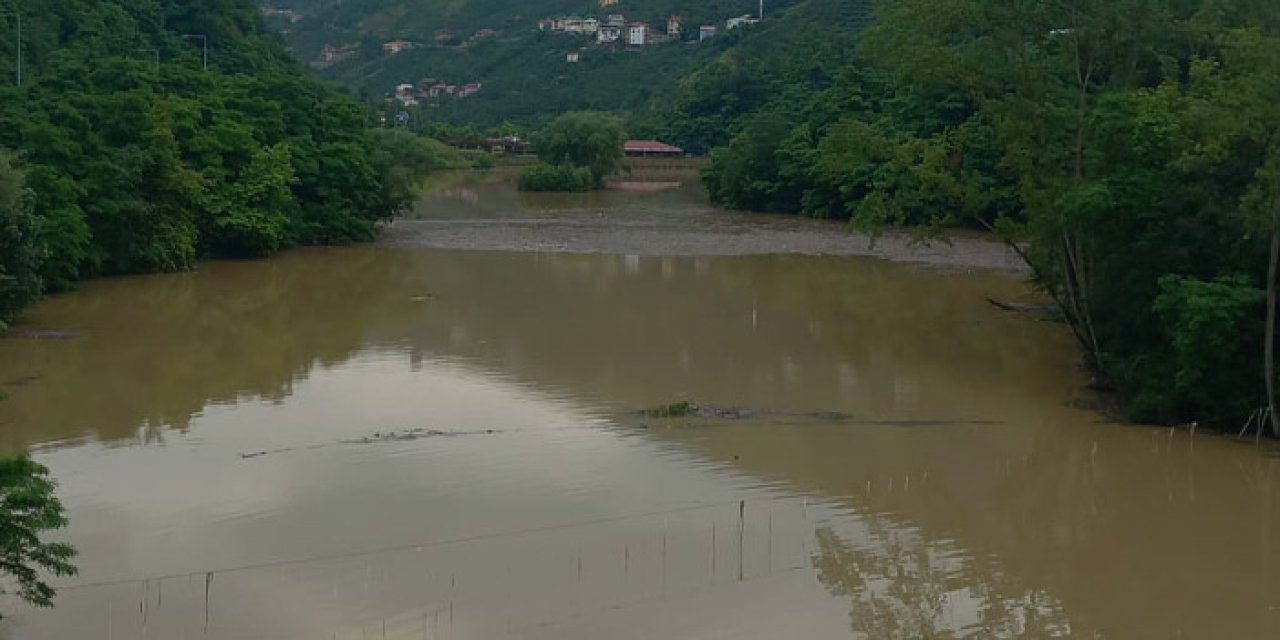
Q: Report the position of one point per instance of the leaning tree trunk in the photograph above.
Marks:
(1269, 354)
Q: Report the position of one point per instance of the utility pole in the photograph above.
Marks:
(18, 16)
(205, 42)
(762, 9)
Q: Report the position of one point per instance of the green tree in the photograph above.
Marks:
(550, 177)
(585, 139)
(29, 509)
(133, 167)
(746, 173)
(20, 251)
(403, 159)
(250, 214)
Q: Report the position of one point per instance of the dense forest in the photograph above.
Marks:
(1129, 150)
(122, 152)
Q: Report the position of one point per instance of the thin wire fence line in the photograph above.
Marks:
(425, 545)
(406, 630)
(663, 597)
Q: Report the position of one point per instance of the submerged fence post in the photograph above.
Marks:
(665, 524)
(208, 582)
(742, 535)
(769, 563)
(713, 549)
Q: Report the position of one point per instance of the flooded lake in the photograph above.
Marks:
(408, 441)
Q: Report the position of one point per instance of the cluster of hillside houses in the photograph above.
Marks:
(616, 28)
(410, 95)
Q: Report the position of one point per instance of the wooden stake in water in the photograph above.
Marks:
(713, 550)
(804, 535)
(665, 524)
(770, 547)
(742, 536)
(208, 582)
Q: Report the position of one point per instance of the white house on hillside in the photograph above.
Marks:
(588, 26)
(608, 33)
(637, 33)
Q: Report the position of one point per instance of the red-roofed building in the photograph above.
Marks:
(650, 149)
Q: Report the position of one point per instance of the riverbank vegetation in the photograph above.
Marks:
(28, 510)
(1129, 150)
(130, 155)
(576, 152)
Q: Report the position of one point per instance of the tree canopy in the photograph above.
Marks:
(28, 509)
(578, 151)
(136, 158)
(591, 140)
(19, 253)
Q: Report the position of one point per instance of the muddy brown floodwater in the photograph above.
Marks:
(407, 442)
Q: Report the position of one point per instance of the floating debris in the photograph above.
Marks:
(412, 434)
(673, 410)
(686, 409)
(406, 435)
(20, 381)
(41, 334)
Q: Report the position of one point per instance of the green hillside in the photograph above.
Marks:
(524, 72)
(344, 21)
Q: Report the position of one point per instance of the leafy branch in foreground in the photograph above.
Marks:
(28, 509)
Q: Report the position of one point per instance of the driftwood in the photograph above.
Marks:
(689, 410)
(1038, 311)
(40, 334)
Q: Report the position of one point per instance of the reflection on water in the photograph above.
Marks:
(158, 349)
(963, 497)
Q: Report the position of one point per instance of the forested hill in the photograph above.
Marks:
(122, 151)
(524, 73)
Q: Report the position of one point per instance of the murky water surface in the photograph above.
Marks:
(406, 443)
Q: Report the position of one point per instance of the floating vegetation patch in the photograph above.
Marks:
(405, 435)
(40, 334)
(686, 409)
(674, 410)
(21, 381)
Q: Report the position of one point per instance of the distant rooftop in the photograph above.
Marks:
(650, 146)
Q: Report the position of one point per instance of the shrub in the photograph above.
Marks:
(484, 162)
(549, 177)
